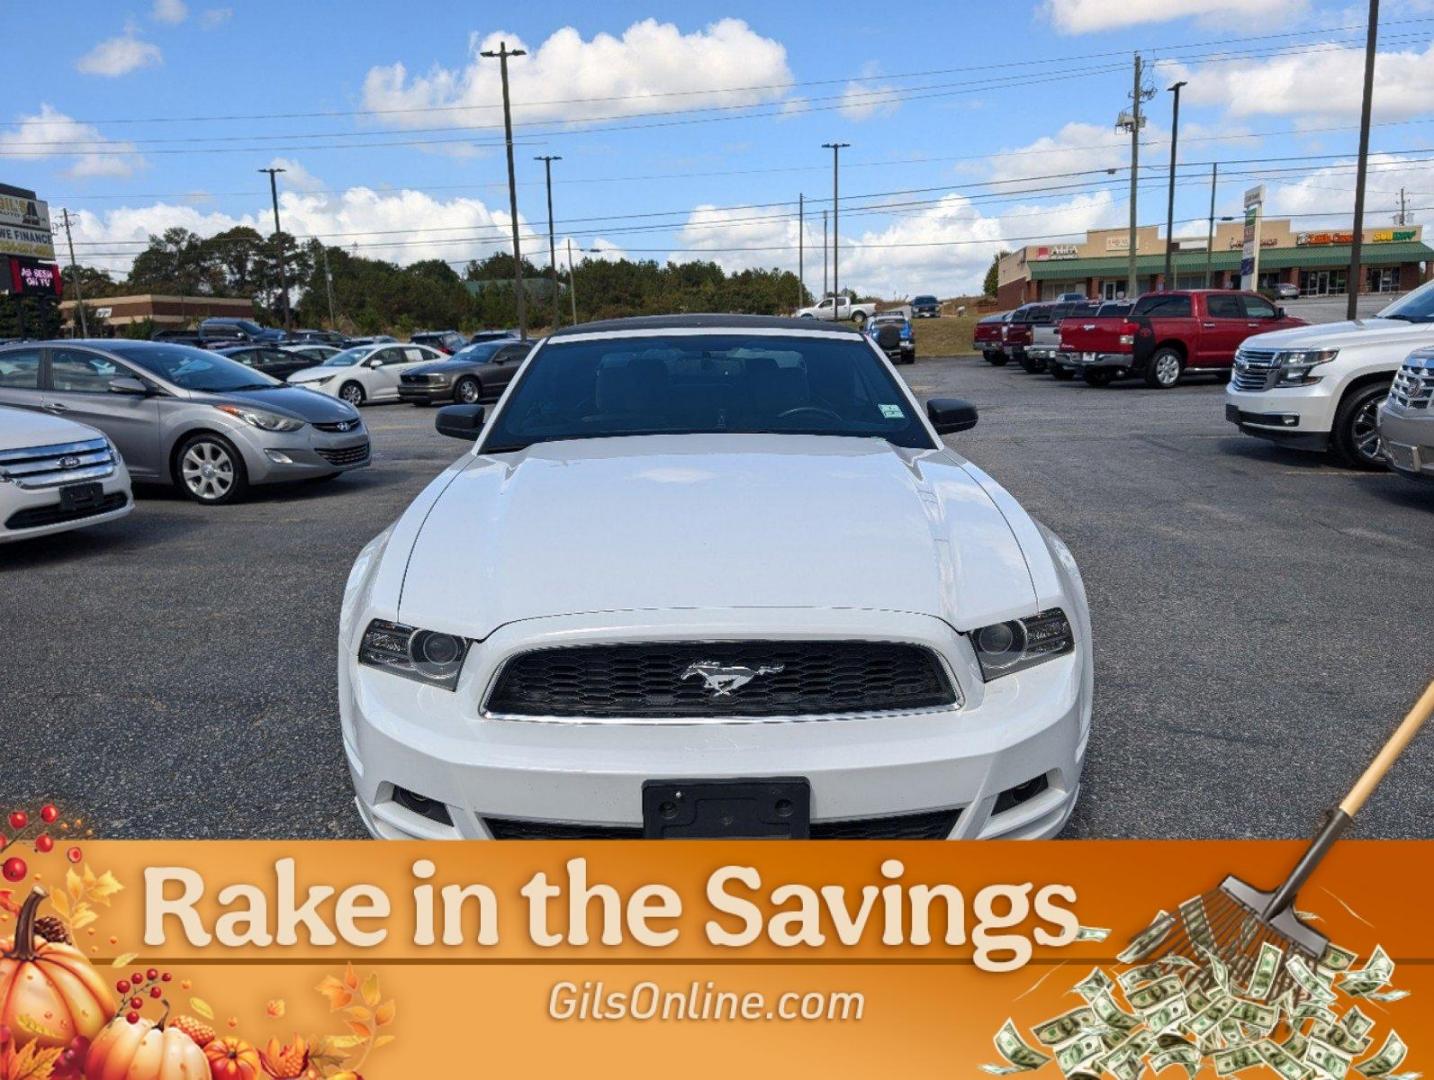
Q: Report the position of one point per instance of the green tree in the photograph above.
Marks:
(993, 273)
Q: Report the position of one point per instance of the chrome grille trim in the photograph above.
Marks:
(1256, 370)
(44, 466)
(1413, 385)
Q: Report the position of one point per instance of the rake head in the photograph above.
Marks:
(1231, 924)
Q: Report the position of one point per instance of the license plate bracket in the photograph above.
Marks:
(75, 497)
(732, 809)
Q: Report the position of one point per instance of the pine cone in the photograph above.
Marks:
(52, 929)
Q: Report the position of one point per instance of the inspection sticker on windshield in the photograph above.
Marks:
(891, 412)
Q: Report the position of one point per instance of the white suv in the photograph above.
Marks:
(1319, 387)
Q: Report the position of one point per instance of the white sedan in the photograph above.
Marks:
(55, 474)
(366, 373)
(732, 583)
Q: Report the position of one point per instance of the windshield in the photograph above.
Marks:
(193, 369)
(1418, 306)
(479, 353)
(705, 384)
(347, 358)
(924, 300)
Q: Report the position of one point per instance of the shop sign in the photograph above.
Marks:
(1058, 251)
(25, 227)
(1250, 248)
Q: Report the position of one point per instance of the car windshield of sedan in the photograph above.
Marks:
(348, 358)
(479, 353)
(193, 369)
(705, 384)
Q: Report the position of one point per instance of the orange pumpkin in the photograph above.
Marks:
(144, 1051)
(232, 1059)
(49, 993)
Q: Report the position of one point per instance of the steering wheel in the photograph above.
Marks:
(819, 410)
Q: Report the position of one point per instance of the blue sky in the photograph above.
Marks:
(688, 129)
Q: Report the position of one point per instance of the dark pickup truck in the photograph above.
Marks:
(1168, 334)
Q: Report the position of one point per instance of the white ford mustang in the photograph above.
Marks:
(713, 576)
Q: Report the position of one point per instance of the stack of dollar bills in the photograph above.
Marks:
(1192, 1012)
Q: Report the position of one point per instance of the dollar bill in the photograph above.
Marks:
(1387, 995)
(1143, 973)
(1259, 1016)
(1282, 1061)
(1079, 1052)
(1217, 969)
(1375, 974)
(1208, 1019)
(1308, 981)
(1313, 1010)
(1063, 1028)
(1267, 966)
(1094, 984)
(1020, 1056)
(1148, 940)
(1295, 1044)
(1197, 923)
(1336, 959)
(1340, 1037)
(1235, 1059)
(1329, 1060)
(1112, 1015)
(1391, 1055)
(1092, 933)
(1184, 1055)
(1151, 996)
(1355, 1022)
(1168, 1015)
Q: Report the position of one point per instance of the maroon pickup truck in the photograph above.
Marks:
(990, 336)
(1168, 334)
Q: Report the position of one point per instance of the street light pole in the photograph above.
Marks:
(836, 148)
(1170, 198)
(329, 285)
(572, 282)
(279, 244)
(1357, 244)
(824, 253)
(1210, 236)
(502, 55)
(801, 249)
(547, 160)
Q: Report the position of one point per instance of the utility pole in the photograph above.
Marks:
(824, 253)
(836, 148)
(572, 282)
(801, 250)
(279, 244)
(1210, 236)
(1402, 218)
(1355, 248)
(547, 160)
(502, 54)
(1170, 198)
(329, 285)
(75, 276)
(1133, 121)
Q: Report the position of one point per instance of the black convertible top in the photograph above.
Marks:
(703, 322)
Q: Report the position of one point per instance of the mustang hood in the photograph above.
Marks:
(1346, 334)
(739, 521)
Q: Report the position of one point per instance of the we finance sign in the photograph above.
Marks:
(25, 227)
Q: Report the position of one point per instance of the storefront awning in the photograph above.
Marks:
(1193, 262)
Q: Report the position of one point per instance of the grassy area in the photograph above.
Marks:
(949, 335)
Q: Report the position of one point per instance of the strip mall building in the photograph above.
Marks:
(1317, 261)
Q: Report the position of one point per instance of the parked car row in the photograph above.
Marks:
(1360, 390)
(226, 333)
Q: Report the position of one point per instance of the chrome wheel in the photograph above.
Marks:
(352, 393)
(468, 391)
(1364, 432)
(208, 471)
(1167, 369)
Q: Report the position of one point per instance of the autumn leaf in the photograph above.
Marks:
(363, 1031)
(7, 902)
(351, 979)
(371, 994)
(335, 1043)
(74, 885)
(384, 1014)
(359, 1013)
(276, 1008)
(383, 1040)
(61, 903)
(337, 993)
(103, 888)
(31, 1062)
(202, 1007)
(123, 960)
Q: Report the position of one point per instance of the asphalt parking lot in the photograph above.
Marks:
(1261, 621)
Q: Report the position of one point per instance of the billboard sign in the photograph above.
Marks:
(1250, 249)
(31, 277)
(25, 227)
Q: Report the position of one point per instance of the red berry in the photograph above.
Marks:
(4, 841)
(19, 819)
(155, 991)
(122, 986)
(74, 854)
(68, 1057)
(152, 974)
(14, 869)
(48, 813)
(132, 1017)
(137, 978)
(165, 977)
(136, 1003)
(44, 845)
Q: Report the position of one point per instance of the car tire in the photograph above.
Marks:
(1164, 369)
(1098, 376)
(209, 470)
(353, 393)
(467, 391)
(999, 360)
(1354, 442)
(1032, 366)
(1061, 373)
(859, 318)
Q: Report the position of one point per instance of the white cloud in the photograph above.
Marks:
(1282, 85)
(215, 17)
(295, 176)
(119, 56)
(1090, 16)
(866, 97)
(51, 134)
(169, 11)
(631, 72)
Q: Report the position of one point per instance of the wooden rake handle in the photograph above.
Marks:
(1384, 760)
(1363, 788)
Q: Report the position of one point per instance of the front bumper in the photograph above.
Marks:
(443, 746)
(30, 512)
(1406, 439)
(425, 393)
(1300, 417)
(281, 457)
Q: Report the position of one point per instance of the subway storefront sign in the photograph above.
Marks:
(1378, 236)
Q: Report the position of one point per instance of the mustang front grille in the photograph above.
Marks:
(716, 679)
(928, 825)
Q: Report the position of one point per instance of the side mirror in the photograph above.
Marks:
(373, 362)
(460, 421)
(1279, 313)
(128, 384)
(950, 415)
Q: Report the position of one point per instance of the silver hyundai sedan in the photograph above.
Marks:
(187, 416)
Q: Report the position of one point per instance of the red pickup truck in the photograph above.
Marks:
(989, 336)
(1168, 334)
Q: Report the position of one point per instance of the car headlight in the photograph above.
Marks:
(262, 418)
(1296, 365)
(425, 656)
(1004, 648)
